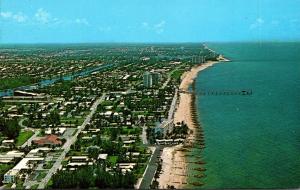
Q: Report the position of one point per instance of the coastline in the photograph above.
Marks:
(174, 161)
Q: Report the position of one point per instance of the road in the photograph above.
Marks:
(21, 123)
(152, 165)
(168, 79)
(151, 169)
(166, 83)
(173, 106)
(67, 146)
(144, 135)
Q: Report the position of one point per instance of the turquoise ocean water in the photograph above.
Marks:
(252, 141)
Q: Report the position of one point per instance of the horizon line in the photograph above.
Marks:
(124, 42)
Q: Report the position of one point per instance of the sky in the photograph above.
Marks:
(92, 21)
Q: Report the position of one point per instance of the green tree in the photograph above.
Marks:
(10, 128)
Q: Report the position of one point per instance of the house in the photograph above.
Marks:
(38, 151)
(79, 158)
(10, 156)
(7, 142)
(24, 165)
(126, 167)
(10, 176)
(102, 156)
(58, 131)
(48, 140)
(77, 161)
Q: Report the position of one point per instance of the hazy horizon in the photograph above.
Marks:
(176, 21)
(147, 43)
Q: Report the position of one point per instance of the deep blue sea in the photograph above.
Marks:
(252, 141)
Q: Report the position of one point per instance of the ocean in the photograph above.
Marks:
(252, 141)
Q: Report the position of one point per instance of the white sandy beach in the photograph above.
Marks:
(174, 166)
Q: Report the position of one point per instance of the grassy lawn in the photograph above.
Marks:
(35, 186)
(49, 184)
(75, 153)
(130, 131)
(112, 160)
(75, 131)
(107, 103)
(23, 137)
(48, 165)
(73, 120)
(177, 74)
(64, 162)
(15, 82)
(41, 175)
(140, 170)
(19, 184)
(3, 169)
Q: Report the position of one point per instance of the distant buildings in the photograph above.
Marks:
(150, 79)
(25, 96)
(25, 93)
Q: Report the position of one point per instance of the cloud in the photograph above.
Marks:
(145, 24)
(104, 29)
(158, 28)
(275, 22)
(40, 17)
(43, 16)
(6, 14)
(257, 24)
(17, 17)
(161, 24)
(82, 21)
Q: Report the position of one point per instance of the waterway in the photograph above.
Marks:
(47, 82)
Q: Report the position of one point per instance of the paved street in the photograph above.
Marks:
(173, 106)
(68, 133)
(66, 147)
(144, 135)
(151, 169)
(166, 83)
(21, 123)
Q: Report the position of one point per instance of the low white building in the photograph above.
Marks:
(10, 156)
(102, 156)
(24, 164)
(10, 176)
(8, 142)
(126, 167)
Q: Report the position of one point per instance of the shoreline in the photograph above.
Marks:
(175, 164)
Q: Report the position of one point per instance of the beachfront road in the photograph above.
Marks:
(151, 169)
(67, 146)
